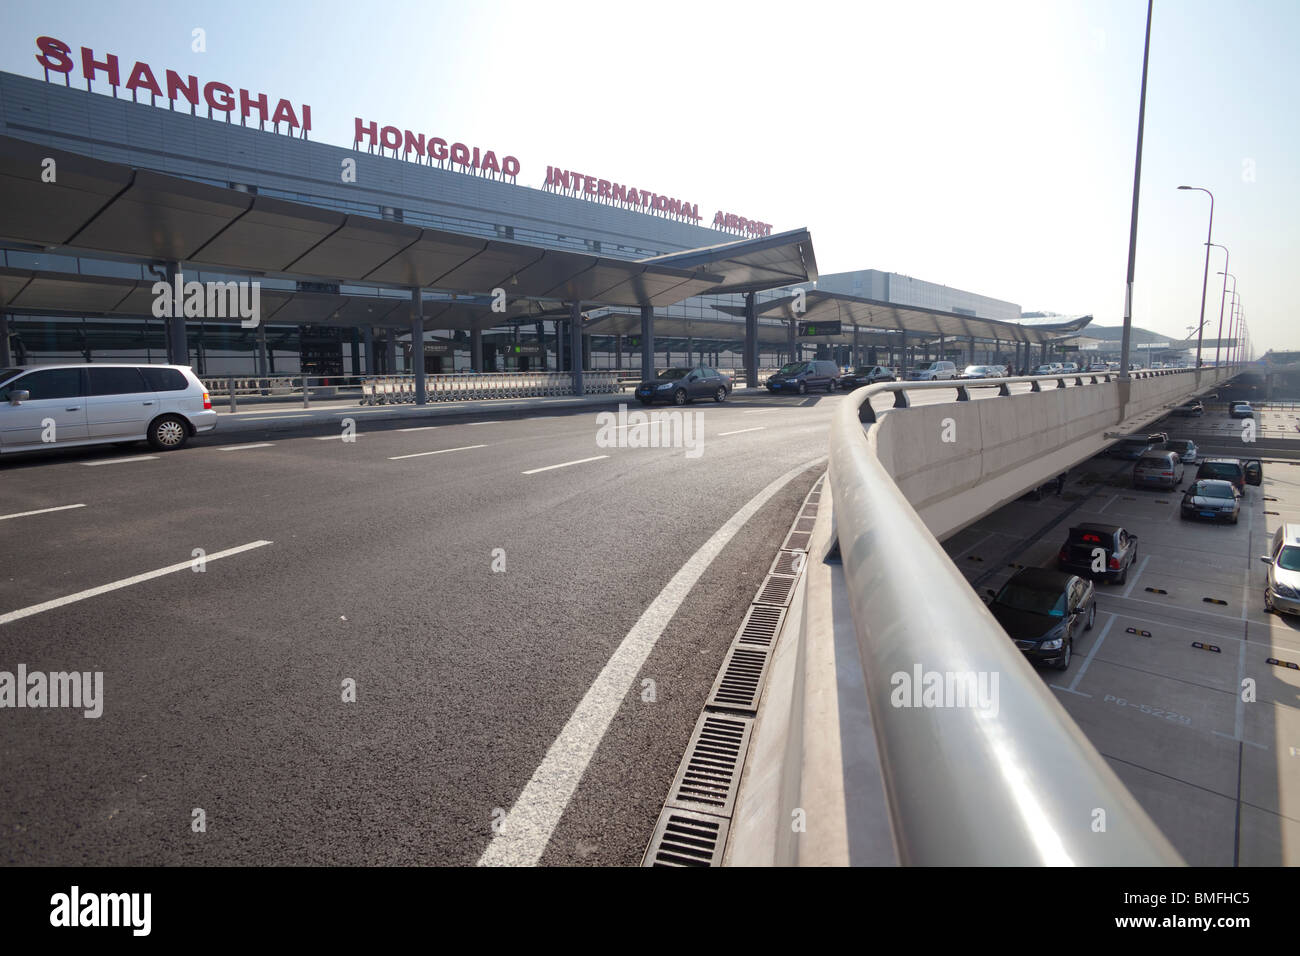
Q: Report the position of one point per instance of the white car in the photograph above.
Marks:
(933, 372)
(60, 406)
(1053, 368)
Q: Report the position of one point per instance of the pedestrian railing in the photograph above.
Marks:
(472, 386)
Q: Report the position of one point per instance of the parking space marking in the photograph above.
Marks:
(260, 444)
(1091, 652)
(442, 451)
(565, 464)
(118, 461)
(1137, 577)
(39, 511)
(123, 583)
(741, 431)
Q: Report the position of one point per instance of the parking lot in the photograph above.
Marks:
(1173, 684)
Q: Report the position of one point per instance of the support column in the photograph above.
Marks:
(369, 337)
(260, 351)
(647, 342)
(618, 353)
(417, 347)
(972, 351)
(390, 352)
(586, 352)
(541, 344)
(178, 349)
(791, 344)
(476, 349)
(356, 351)
(751, 341)
(5, 358)
(575, 346)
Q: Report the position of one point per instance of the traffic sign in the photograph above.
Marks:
(819, 328)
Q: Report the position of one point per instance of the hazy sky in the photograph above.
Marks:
(987, 145)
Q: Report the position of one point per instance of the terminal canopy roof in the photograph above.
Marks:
(887, 316)
(751, 265)
(120, 211)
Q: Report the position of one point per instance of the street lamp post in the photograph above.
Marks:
(1209, 236)
(1226, 276)
(1221, 298)
(1127, 335)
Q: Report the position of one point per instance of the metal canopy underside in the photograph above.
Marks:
(751, 265)
(55, 293)
(669, 326)
(136, 213)
(871, 314)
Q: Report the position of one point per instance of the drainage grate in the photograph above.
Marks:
(796, 541)
(809, 511)
(785, 562)
(740, 683)
(761, 625)
(708, 777)
(683, 838)
(776, 590)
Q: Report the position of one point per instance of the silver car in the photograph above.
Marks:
(1282, 585)
(61, 406)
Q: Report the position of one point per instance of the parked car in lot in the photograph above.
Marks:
(1240, 473)
(1192, 409)
(1241, 410)
(1069, 367)
(1098, 367)
(1158, 469)
(59, 406)
(803, 377)
(1282, 582)
(682, 385)
(1184, 448)
(1086, 545)
(867, 375)
(1212, 499)
(1044, 611)
(1053, 368)
(934, 372)
(1133, 447)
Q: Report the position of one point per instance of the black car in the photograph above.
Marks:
(803, 377)
(867, 375)
(681, 385)
(1241, 410)
(1043, 611)
(1240, 472)
(1104, 550)
(1135, 446)
(1192, 409)
(1215, 499)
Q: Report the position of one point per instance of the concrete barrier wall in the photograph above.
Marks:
(957, 461)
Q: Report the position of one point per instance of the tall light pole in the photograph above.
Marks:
(1226, 276)
(1222, 297)
(1209, 235)
(1234, 323)
(1133, 225)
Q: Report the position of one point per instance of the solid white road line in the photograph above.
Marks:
(260, 444)
(42, 511)
(527, 828)
(565, 464)
(1096, 645)
(125, 582)
(741, 431)
(420, 428)
(421, 454)
(1137, 577)
(118, 461)
(334, 437)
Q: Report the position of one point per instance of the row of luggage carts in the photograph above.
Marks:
(400, 389)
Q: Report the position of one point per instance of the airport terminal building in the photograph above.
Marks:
(94, 104)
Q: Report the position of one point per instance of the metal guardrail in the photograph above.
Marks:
(1022, 787)
(233, 387)
(471, 386)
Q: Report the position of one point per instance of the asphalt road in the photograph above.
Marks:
(223, 690)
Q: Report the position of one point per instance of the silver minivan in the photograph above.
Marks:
(60, 406)
(1282, 583)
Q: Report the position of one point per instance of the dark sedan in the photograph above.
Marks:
(1043, 611)
(866, 375)
(1102, 550)
(1214, 499)
(681, 385)
(1192, 409)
